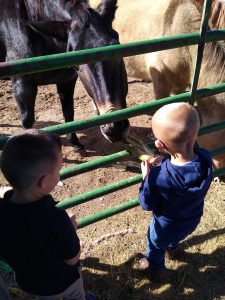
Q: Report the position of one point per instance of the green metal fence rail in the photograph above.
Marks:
(63, 60)
(69, 59)
(128, 112)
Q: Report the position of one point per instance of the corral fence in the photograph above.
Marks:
(62, 60)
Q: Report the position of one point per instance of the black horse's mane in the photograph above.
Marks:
(79, 10)
(73, 2)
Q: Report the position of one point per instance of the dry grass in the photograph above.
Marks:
(109, 247)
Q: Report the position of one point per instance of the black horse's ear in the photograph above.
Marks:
(107, 9)
(55, 29)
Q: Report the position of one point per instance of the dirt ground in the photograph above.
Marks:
(109, 245)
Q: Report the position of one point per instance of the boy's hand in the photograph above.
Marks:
(156, 160)
(74, 221)
(146, 165)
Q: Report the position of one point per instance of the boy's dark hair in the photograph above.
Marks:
(27, 155)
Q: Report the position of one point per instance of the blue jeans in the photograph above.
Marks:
(158, 240)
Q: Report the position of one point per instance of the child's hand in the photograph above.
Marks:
(156, 160)
(146, 165)
(74, 221)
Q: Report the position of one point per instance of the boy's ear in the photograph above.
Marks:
(43, 182)
(159, 145)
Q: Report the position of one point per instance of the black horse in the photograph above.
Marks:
(40, 27)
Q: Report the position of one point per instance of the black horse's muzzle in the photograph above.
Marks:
(115, 132)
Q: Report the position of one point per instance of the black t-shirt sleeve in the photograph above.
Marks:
(67, 243)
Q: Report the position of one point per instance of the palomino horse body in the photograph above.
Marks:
(171, 71)
(33, 27)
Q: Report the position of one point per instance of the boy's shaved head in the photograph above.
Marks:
(175, 124)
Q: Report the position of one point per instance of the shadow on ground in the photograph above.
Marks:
(201, 276)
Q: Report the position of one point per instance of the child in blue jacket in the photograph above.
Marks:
(175, 189)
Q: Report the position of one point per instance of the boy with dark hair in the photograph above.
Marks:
(38, 240)
(175, 189)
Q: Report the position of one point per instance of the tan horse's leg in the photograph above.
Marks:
(162, 88)
(212, 111)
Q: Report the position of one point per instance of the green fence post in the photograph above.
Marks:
(200, 50)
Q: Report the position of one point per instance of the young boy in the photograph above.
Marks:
(174, 190)
(38, 240)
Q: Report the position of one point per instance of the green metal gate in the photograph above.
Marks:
(62, 60)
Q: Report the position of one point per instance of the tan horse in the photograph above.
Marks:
(142, 20)
(171, 71)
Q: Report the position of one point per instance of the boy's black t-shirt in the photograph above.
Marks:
(35, 240)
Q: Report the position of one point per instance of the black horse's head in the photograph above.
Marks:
(105, 82)
(80, 27)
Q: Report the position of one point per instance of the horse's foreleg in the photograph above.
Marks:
(162, 88)
(96, 111)
(65, 91)
(25, 93)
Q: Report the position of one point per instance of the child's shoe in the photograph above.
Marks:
(152, 272)
(141, 262)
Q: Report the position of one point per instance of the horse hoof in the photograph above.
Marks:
(78, 147)
(27, 124)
